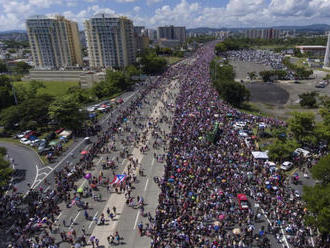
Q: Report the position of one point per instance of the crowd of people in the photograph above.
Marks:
(265, 57)
(198, 204)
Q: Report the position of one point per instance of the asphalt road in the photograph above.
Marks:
(126, 221)
(32, 171)
(26, 162)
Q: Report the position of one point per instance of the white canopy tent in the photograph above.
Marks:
(260, 155)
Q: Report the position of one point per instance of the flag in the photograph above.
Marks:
(118, 179)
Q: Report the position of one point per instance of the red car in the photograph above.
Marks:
(58, 131)
(242, 202)
(32, 133)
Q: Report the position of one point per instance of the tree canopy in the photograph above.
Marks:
(67, 112)
(308, 99)
(302, 126)
(151, 63)
(223, 80)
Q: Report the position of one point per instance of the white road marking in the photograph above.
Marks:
(90, 225)
(58, 217)
(145, 187)
(310, 230)
(136, 219)
(75, 218)
(36, 177)
(285, 240)
(58, 164)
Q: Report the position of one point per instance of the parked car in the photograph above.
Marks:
(21, 135)
(29, 134)
(25, 141)
(286, 165)
(35, 142)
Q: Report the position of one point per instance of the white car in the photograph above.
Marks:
(286, 165)
(25, 141)
(21, 135)
(35, 142)
(243, 134)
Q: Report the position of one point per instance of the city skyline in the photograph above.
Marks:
(189, 13)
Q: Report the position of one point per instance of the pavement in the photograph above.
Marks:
(26, 163)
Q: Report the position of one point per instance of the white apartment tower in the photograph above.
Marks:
(110, 41)
(54, 42)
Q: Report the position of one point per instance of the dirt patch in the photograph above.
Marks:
(268, 93)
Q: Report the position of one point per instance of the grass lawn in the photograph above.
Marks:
(51, 88)
(172, 60)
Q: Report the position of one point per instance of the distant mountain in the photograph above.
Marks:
(313, 27)
(205, 30)
(13, 31)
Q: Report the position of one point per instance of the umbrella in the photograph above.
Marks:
(88, 176)
(171, 180)
(221, 217)
(93, 186)
(84, 152)
(80, 190)
(216, 223)
(236, 231)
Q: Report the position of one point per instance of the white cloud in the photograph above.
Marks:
(149, 2)
(137, 8)
(183, 13)
(125, 1)
(44, 3)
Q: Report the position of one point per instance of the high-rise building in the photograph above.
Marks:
(267, 34)
(141, 38)
(110, 41)
(172, 33)
(326, 63)
(152, 34)
(54, 42)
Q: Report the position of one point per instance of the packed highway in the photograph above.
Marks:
(153, 176)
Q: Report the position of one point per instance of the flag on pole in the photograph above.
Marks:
(118, 179)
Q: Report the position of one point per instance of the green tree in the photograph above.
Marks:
(30, 114)
(233, 92)
(321, 171)
(308, 99)
(220, 48)
(6, 96)
(281, 150)
(317, 199)
(3, 67)
(152, 64)
(22, 68)
(252, 75)
(67, 112)
(302, 125)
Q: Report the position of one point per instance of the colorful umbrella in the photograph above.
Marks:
(88, 176)
(84, 152)
(80, 190)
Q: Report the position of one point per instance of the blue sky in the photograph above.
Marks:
(190, 13)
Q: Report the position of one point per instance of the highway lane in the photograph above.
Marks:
(97, 207)
(78, 146)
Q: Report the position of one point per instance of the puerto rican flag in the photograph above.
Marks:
(118, 179)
